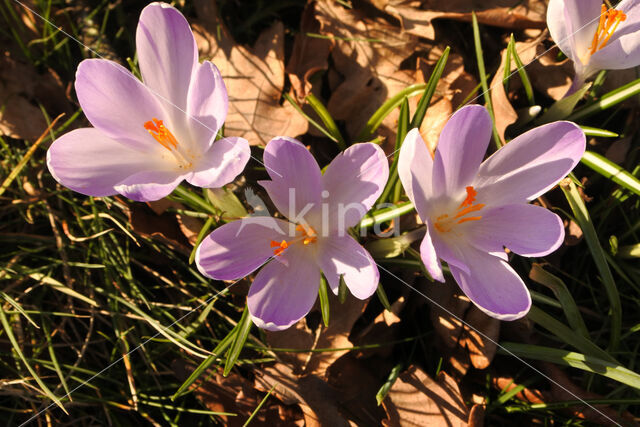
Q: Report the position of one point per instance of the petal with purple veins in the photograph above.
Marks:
(296, 183)
(167, 55)
(236, 249)
(284, 291)
(461, 148)
(415, 168)
(343, 256)
(222, 163)
(354, 180)
(87, 161)
(117, 103)
(493, 286)
(527, 230)
(530, 165)
(430, 258)
(149, 186)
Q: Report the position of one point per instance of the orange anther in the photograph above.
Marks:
(160, 133)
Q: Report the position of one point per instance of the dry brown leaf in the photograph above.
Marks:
(21, 90)
(254, 78)
(417, 16)
(482, 348)
(234, 394)
(316, 398)
(309, 54)
(417, 400)
(341, 319)
(162, 227)
(368, 56)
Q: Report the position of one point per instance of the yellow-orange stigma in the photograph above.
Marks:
(609, 21)
(444, 223)
(309, 236)
(161, 134)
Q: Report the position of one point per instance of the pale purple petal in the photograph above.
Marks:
(415, 169)
(296, 183)
(493, 286)
(623, 49)
(167, 55)
(207, 105)
(530, 165)
(342, 255)
(572, 24)
(222, 163)
(236, 249)
(149, 186)
(447, 250)
(527, 230)
(353, 181)
(461, 148)
(117, 103)
(430, 258)
(284, 291)
(87, 161)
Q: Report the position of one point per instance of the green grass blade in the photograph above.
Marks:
(309, 119)
(16, 347)
(54, 358)
(524, 77)
(215, 354)
(385, 109)
(323, 296)
(568, 335)
(201, 235)
(506, 75)
(403, 128)
(562, 108)
(244, 327)
(598, 133)
(385, 215)
(584, 221)
(483, 77)
(425, 100)
(576, 360)
(54, 284)
(560, 290)
(342, 290)
(18, 307)
(611, 171)
(255, 411)
(382, 296)
(391, 379)
(326, 118)
(608, 100)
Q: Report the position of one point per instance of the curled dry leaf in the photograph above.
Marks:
(22, 90)
(316, 398)
(417, 16)
(342, 317)
(417, 400)
(254, 78)
(368, 56)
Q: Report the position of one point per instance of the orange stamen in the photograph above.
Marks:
(308, 236)
(444, 224)
(161, 134)
(609, 22)
(471, 197)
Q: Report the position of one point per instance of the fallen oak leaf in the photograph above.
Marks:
(254, 78)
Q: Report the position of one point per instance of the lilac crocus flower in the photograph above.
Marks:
(596, 38)
(148, 137)
(473, 209)
(320, 208)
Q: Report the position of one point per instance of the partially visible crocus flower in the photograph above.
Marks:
(148, 137)
(474, 209)
(320, 208)
(594, 37)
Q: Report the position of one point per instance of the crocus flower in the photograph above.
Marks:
(596, 38)
(473, 209)
(320, 208)
(147, 137)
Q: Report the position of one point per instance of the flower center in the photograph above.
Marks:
(308, 236)
(609, 21)
(160, 133)
(444, 223)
